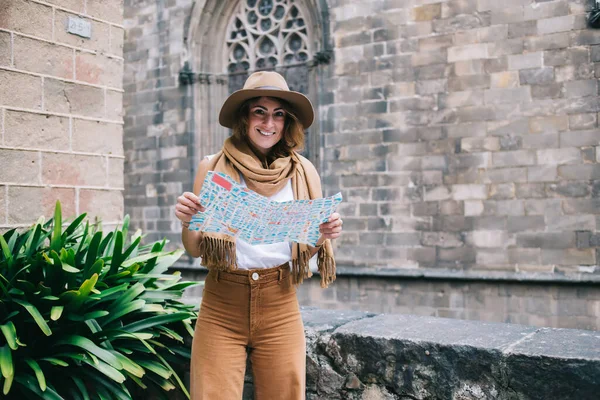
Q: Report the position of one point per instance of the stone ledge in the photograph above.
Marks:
(445, 275)
(356, 355)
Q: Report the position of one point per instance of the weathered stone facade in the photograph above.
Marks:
(463, 134)
(60, 110)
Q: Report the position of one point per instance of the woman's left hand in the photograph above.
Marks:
(332, 229)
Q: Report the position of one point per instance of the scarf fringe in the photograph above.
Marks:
(218, 253)
(326, 265)
(300, 267)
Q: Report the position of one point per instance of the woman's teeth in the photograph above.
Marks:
(266, 133)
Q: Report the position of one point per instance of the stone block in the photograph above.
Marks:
(435, 43)
(507, 15)
(525, 61)
(425, 87)
(513, 158)
(574, 72)
(511, 95)
(579, 138)
(574, 56)
(5, 49)
(42, 57)
(536, 76)
(556, 24)
(505, 80)
(569, 155)
(566, 223)
(428, 58)
(543, 141)
(542, 173)
(547, 42)
(480, 144)
(583, 121)
(38, 131)
(108, 10)
(550, 124)
(502, 191)
(114, 105)
(441, 239)
(469, 192)
(100, 33)
(18, 166)
(72, 5)
(525, 223)
(568, 189)
(465, 22)
(27, 204)
(505, 48)
(104, 204)
(116, 40)
(71, 169)
(97, 137)
(353, 39)
(3, 215)
(470, 82)
(98, 69)
(27, 17)
(540, 11)
(581, 206)
(468, 52)
(461, 99)
(548, 91)
(520, 29)
(20, 90)
(569, 256)
(70, 98)
(486, 238)
(426, 12)
(581, 88)
(115, 173)
(544, 240)
(468, 67)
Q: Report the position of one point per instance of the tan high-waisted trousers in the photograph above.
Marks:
(256, 310)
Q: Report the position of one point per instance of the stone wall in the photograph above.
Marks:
(464, 134)
(353, 355)
(534, 302)
(159, 128)
(60, 110)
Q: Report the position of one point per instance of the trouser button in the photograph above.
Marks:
(255, 276)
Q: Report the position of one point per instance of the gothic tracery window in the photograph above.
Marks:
(264, 34)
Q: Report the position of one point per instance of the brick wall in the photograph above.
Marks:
(464, 134)
(60, 110)
(158, 116)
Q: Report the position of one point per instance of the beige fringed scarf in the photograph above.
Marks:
(218, 250)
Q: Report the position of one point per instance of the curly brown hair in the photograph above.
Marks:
(293, 131)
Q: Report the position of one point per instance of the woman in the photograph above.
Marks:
(249, 303)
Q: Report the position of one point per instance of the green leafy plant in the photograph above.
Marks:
(90, 315)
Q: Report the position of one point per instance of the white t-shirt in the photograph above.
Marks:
(264, 255)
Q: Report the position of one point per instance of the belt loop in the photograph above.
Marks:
(217, 276)
(280, 275)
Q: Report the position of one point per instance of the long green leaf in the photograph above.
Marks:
(156, 367)
(6, 252)
(92, 252)
(33, 241)
(39, 374)
(39, 320)
(73, 226)
(10, 333)
(129, 366)
(7, 384)
(118, 312)
(81, 386)
(167, 365)
(117, 254)
(56, 241)
(153, 321)
(92, 348)
(107, 370)
(6, 363)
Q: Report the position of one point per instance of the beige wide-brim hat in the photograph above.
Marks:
(269, 84)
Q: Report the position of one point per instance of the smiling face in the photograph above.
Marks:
(266, 123)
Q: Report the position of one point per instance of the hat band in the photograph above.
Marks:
(268, 88)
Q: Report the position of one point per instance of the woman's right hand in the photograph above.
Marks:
(188, 204)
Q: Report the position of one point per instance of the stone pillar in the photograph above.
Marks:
(61, 123)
